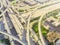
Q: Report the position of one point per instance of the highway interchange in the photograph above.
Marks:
(20, 29)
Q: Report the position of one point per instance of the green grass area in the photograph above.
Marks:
(0, 16)
(35, 28)
(54, 12)
(6, 41)
(55, 17)
(13, 2)
(43, 30)
(21, 10)
(50, 44)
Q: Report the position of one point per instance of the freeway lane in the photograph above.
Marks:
(36, 38)
(16, 21)
(37, 10)
(18, 27)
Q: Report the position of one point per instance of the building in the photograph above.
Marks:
(52, 24)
